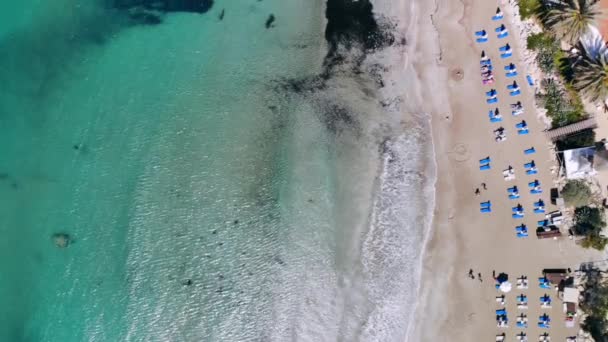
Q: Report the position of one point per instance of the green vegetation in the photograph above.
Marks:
(595, 305)
(590, 72)
(583, 138)
(561, 107)
(589, 223)
(568, 20)
(528, 8)
(547, 49)
(576, 193)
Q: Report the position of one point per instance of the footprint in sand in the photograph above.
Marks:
(460, 153)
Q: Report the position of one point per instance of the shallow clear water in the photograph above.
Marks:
(207, 201)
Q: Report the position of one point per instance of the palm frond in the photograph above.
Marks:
(569, 19)
(591, 70)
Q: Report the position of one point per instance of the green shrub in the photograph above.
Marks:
(562, 107)
(576, 193)
(528, 8)
(583, 138)
(595, 241)
(537, 41)
(595, 304)
(588, 223)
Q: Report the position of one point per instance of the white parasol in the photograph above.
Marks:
(505, 287)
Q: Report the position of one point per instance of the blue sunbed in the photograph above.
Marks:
(492, 100)
(497, 16)
(530, 80)
(521, 124)
(506, 55)
(512, 86)
(486, 210)
(545, 299)
(523, 131)
(485, 160)
(531, 172)
(543, 223)
(488, 66)
(539, 211)
(539, 203)
(536, 191)
(496, 119)
(513, 196)
(486, 62)
(484, 167)
(522, 235)
(534, 183)
(491, 92)
(522, 324)
(500, 28)
(543, 325)
(501, 312)
(517, 208)
(530, 164)
(512, 189)
(522, 298)
(515, 92)
(517, 216)
(481, 40)
(510, 67)
(511, 74)
(503, 34)
(481, 33)
(521, 228)
(531, 150)
(504, 48)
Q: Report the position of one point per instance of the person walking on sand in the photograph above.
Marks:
(479, 276)
(483, 185)
(471, 274)
(477, 192)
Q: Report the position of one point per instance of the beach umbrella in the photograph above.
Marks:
(502, 277)
(505, 287)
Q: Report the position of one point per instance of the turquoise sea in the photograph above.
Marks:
(207, 196)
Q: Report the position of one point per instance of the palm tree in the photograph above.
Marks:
(591, 68)
(569, 19)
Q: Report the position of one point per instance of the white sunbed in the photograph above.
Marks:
(500, 300)
(522, 283)
(500, 338)
(508, 174)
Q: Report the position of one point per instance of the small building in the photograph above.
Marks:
(570, 298)
(578, 162)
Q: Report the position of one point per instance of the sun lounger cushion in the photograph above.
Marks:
(530, 80)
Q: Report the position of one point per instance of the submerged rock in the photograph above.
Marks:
(61, 240)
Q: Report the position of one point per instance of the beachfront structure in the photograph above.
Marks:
(570, 298)
(578, 162)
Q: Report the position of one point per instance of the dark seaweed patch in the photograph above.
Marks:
(151, 12)
(166, 6)
(270, 21)
(352, 23)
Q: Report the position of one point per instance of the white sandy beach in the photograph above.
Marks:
(454, 307)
